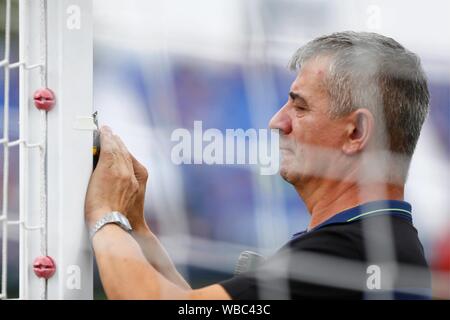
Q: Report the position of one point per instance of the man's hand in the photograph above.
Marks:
(118, 184)
(136, 214)
(113, 185)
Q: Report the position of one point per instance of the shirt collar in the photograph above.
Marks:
(397, 208)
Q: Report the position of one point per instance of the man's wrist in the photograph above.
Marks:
(105, 230)
(95, 215)
(113, 217)
(138, 223)
(141, 229)
(108, 238)
(142, 232)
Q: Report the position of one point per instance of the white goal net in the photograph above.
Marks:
(175, 66)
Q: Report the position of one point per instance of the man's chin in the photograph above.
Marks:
(289, 175)
(284, 173)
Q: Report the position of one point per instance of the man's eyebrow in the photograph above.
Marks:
(296, 96)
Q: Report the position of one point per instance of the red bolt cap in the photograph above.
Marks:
(44, 99)
(44, 267)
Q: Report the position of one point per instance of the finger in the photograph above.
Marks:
(140, 171)
(124, 152)
(110, 152)
(136, 164)
(107, 144)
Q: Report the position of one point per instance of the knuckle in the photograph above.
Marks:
(123, 176)
(107, 152)
(128, 157)
(134, 185)
(144, 173)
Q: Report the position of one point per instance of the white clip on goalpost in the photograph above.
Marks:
(56, 52)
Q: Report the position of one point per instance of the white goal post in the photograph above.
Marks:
(56, 52)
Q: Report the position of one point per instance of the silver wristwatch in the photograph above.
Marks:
(112, 217)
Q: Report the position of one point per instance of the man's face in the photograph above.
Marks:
(309, 138)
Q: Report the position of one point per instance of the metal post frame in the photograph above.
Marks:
(65, 57)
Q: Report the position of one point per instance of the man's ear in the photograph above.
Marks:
(360, 129)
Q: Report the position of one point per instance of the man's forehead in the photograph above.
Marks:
(311, 75)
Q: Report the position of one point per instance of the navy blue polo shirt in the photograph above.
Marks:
(371, 251)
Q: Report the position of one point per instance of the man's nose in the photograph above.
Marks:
(281, 121)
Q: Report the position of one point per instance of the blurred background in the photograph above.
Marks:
(161, 65)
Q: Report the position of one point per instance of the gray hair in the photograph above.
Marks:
(368, 70)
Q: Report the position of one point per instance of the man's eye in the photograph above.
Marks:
(300, 107)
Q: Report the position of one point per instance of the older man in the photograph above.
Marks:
(347, 135)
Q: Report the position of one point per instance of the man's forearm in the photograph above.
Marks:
(158, 257)
(124, 270)
(118, 183)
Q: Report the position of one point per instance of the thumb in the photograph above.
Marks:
(140, 171)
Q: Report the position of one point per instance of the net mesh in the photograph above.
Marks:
(200, 250)
(24, 143)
